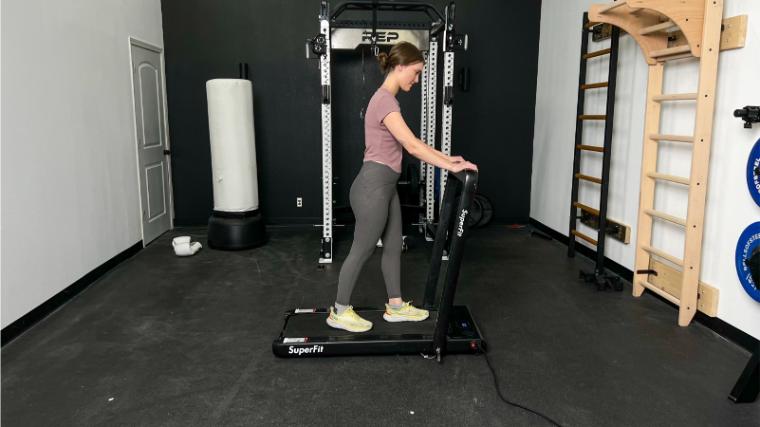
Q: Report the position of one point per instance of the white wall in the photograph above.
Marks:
(70, 198)
(729, 206)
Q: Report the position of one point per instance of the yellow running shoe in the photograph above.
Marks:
(406, 313)
(349, 321)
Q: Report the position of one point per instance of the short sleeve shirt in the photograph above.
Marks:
(380, 145)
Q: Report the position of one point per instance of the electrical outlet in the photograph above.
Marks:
(299, 202)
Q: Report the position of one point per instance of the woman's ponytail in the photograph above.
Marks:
(382, 58)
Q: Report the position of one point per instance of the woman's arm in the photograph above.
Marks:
(417, 148)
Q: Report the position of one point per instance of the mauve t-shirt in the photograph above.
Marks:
(381, 146)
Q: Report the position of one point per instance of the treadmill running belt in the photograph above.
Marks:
(313, 325)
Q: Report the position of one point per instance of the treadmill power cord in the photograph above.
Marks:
(507, 401)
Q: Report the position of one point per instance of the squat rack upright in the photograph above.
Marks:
(344, 34)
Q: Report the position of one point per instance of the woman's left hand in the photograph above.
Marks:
(456, 159)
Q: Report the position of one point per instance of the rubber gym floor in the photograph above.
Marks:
(163, 340)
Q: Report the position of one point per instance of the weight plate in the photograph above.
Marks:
(487, 209)
(753, 172)
(476, 213)
(748, 259)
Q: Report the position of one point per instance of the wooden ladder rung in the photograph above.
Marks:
(663, 255)
(577, 233)
(594, 85)
(657, 214)
(671, 178)
(597, 53)
(660, 292)
(657, 28)
(588, 178)
(590, 148)
(675, 97)
(617, 5)
(670, 51)
(677, 138)
(592, 117)
(581, 206)
(687, 55)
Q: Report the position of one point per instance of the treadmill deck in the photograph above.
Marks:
(306, 334)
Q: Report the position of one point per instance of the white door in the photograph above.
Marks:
(152, 149)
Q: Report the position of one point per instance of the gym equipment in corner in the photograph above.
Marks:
(236, 222)
(599, 276)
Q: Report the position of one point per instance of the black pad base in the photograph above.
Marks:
(227, 233)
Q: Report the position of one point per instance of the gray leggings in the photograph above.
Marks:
(375, 203)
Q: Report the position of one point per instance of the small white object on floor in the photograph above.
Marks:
(183, 246)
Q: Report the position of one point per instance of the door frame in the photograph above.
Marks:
(134, 41)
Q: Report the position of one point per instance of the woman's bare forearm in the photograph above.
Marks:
(430, 155)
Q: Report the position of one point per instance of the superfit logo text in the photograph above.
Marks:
(300, 351)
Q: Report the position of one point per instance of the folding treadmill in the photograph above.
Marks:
(449, 329)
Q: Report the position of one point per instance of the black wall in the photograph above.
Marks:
(205, 39)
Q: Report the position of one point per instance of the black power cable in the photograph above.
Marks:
(507, 401)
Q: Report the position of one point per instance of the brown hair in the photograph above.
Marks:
(402, 53)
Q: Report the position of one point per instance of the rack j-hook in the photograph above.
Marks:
(750, 114)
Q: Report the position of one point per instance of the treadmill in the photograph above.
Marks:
(449, 329)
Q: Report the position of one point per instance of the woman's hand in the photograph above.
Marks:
(456, 159)
(460, 166)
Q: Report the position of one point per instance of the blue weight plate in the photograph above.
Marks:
(748, 259)
(753, 173)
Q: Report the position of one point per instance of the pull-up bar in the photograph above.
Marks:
(428, 9)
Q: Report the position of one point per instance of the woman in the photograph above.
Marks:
(373, 194)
